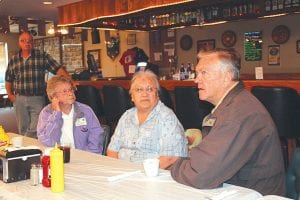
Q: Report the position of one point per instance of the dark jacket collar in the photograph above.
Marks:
(231, 95)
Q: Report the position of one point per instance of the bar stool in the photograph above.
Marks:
(165, 97)
(90, 96)
(116, 102)
(292, 179)
(106, 138)
(284, 106)
(190, 110)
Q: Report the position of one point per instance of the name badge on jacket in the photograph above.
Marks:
(81, 122)
(209, 121)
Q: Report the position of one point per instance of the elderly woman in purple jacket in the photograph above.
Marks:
(65, 121)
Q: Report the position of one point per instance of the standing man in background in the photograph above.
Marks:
(25, 83)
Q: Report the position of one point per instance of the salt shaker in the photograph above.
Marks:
(40, 169)
(34, 175)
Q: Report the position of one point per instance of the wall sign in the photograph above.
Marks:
(253, 46)
(280, 34)
(274, 55)
(228, 38)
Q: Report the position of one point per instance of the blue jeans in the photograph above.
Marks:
(27, 109)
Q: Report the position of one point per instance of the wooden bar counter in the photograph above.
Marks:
(170, 84)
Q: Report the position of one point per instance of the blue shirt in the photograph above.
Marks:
(160, 135)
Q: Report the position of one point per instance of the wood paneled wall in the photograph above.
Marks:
(91, 9)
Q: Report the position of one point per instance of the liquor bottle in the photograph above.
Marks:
(274, 5)
(268, 5)
(57, 170)
(244, 9)
(193, 73)
(280, 4)
(194, 17)
(240, 10)
(177, 18)
(189, 71)
(234, 11)
(250, 7)
(181, 72)
(226, 12)
(287, 3)
(207, 13)
(295, 3)
(200, 16)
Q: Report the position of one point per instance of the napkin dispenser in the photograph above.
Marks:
(15, 164)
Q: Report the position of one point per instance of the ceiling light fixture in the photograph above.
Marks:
(47, 2)
(57, 30)
(51, 30)
(213, 23)
(63, 30)
(276, 15)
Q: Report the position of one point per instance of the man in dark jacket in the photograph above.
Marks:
(241, 144)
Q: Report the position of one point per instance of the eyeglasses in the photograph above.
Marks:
(26, 41)
(66, 91)
(148, 89)
(204, 74)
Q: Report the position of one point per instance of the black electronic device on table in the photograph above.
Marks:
(15, 164)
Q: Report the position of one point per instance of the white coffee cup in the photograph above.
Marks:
(17, 141)
(151, 167)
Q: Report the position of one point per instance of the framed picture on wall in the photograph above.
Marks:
(274, 55)
(96, 55)
(205, 45)
(298, 46)
(131, 39)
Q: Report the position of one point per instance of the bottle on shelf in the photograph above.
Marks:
(57, 170)
(181, 72)
(268, 5)
(274, 5)
(250, 7)
(280, 4)
(287, 3)
(189, 71)
(295, 3)
(200, 16)
(193, 72)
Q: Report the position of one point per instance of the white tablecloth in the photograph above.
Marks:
(87, 177)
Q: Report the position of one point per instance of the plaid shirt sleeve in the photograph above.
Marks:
(9, 75)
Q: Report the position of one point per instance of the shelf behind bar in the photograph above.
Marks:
(171, 84)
